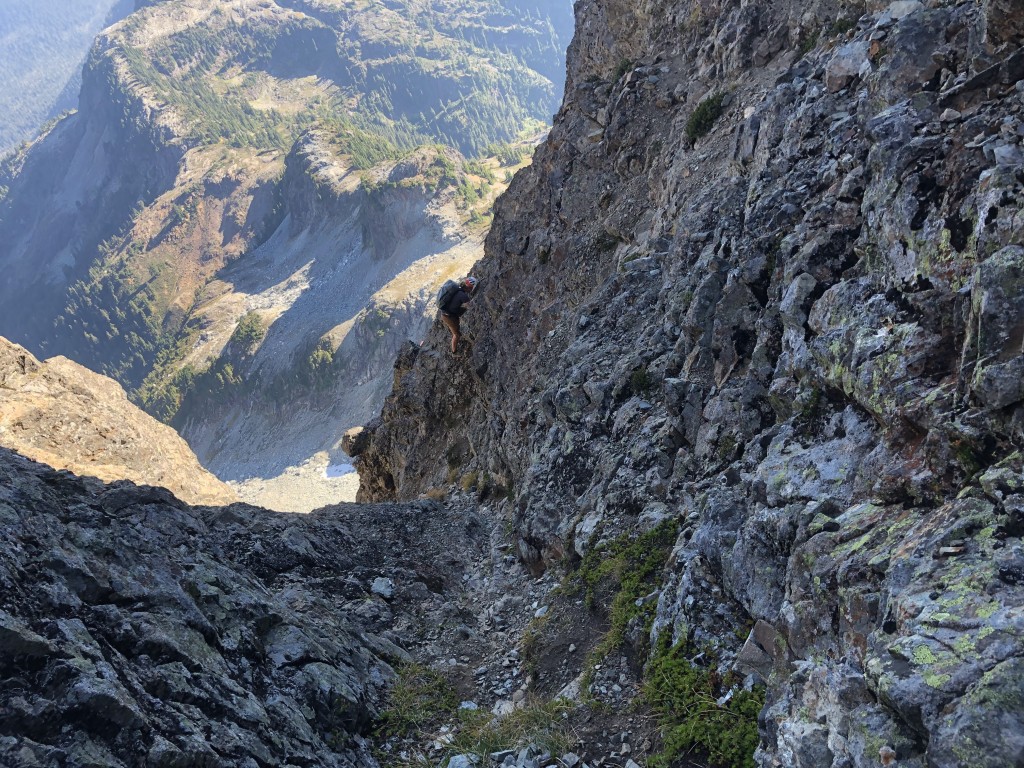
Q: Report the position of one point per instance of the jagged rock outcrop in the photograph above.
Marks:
(136, 630)
(64, 415)
(764, 278)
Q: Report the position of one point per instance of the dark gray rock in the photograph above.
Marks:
(153, 633)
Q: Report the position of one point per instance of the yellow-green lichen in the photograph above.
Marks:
(934, 680)
(923, 655)
(965, 646)
(988, 610)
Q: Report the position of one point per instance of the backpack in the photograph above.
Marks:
(447, 292)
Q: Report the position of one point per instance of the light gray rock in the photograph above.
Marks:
(1008, 154)
(848, 63)
(383, 587)
(903, 8)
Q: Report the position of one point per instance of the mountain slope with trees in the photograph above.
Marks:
(126, 228)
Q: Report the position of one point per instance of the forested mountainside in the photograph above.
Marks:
(756, 314)
(136, 231)
(43, 45)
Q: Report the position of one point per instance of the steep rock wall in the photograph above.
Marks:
(794, 326)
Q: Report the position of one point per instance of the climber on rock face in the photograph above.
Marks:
(451, 302)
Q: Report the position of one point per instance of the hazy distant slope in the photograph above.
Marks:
(43, 44)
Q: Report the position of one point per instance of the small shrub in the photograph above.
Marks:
(641, 382)
(538, 724)
(727, 447)
(436, 494)
(624, 66)
(484, 484)
(807, 44)
(530, 645)
(469, 481)
(685, 698)
(704, 116)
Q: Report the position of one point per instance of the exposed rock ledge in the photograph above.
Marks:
(64, 415)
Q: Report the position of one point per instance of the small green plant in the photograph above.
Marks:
(624, 66)
(641, 383)
(530, 646)
(420, 697)
(704, 116)
(469, 481)
(807, 44)
(727, 447)
(538, 723)
(685, 696)
(628, 569)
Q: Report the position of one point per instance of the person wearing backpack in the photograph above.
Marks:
(451, 301)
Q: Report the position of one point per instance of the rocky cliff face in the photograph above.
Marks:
(136, 630)
(763, 282)
(64, 415)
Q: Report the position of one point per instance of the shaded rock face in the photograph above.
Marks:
(135, 630)
(59, 413)
(800, 333)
